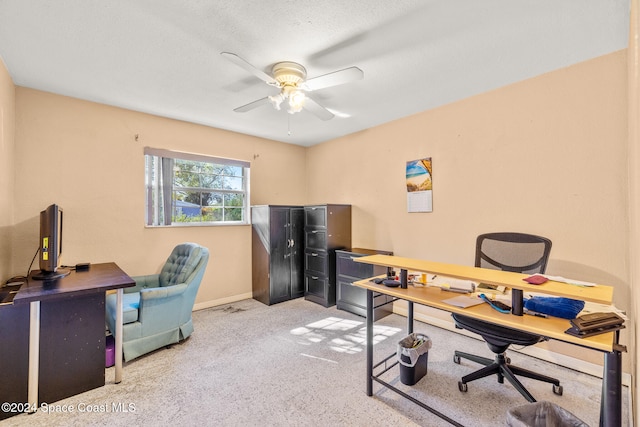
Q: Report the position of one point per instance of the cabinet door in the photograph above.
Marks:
(315, 216)
(297, 251)
(316, 262)
(316, 239)
(280, 258)
(347, 267)
(316, 288)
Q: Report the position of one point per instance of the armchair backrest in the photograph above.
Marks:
(518, 252)
(183, 263)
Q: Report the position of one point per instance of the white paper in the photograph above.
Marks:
(463, 301)
(419, 201)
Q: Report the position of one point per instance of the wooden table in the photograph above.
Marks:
(551, 327)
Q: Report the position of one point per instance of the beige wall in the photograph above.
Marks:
(84, 156)
(7, 144)
(546, 156)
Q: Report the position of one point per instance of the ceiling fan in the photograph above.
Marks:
(291, 79)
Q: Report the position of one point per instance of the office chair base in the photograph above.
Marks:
(478, 359)
(503, 369)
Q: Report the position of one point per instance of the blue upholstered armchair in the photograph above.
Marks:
(157, 311)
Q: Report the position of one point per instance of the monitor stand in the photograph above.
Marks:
(49, 276)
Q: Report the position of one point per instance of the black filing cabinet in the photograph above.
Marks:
(326, 229)
(352, 298)
(277, 247)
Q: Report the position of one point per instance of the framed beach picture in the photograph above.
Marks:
(419, 177)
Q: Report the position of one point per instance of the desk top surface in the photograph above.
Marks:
(599, 293)
(99, 278)
(551, 327)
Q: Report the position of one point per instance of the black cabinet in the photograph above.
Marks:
(277, 249)
(352, 298)
(326, 229)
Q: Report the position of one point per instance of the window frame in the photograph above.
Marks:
(155, 191)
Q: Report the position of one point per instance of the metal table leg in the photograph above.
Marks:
(369, 342)
(34, 355)
(611, 402)
(118, 337)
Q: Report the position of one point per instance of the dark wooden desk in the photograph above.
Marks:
(99, 278)
(66, 336)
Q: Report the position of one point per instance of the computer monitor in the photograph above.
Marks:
(51, 220)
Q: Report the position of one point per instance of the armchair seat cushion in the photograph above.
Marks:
(130, 305)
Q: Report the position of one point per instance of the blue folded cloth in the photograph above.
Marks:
(565, 308)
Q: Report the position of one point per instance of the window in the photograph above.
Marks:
(189, 189)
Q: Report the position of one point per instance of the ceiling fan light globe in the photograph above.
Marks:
(276, 100)
(296, 101)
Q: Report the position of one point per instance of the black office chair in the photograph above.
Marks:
(518, 252)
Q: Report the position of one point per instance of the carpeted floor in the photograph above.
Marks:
(300, 364)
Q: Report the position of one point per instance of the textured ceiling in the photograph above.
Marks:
(163, 56)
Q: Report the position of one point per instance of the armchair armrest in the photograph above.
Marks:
(161, 292)
(144, 282)
(160, 308)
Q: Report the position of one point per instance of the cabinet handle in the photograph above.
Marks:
(314, 231)
(314, 277)
(314, 254)
(293, 243)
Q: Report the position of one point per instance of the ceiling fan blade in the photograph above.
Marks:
(313, 107)
(250, 68)
(333, 79)
(252, 105)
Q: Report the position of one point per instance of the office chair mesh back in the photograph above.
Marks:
(521, 253)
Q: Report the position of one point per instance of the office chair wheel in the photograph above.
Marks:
(462, 386)
(456, 359)
(557, 389)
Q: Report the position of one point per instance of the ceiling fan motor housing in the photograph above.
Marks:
(289, 73)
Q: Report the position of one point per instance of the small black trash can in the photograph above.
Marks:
(413, 355)
(542, 414)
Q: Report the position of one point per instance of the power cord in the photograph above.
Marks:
(23, 278)
(32, 260)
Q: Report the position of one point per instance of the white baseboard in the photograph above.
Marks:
(221, 301)
(540, 353)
